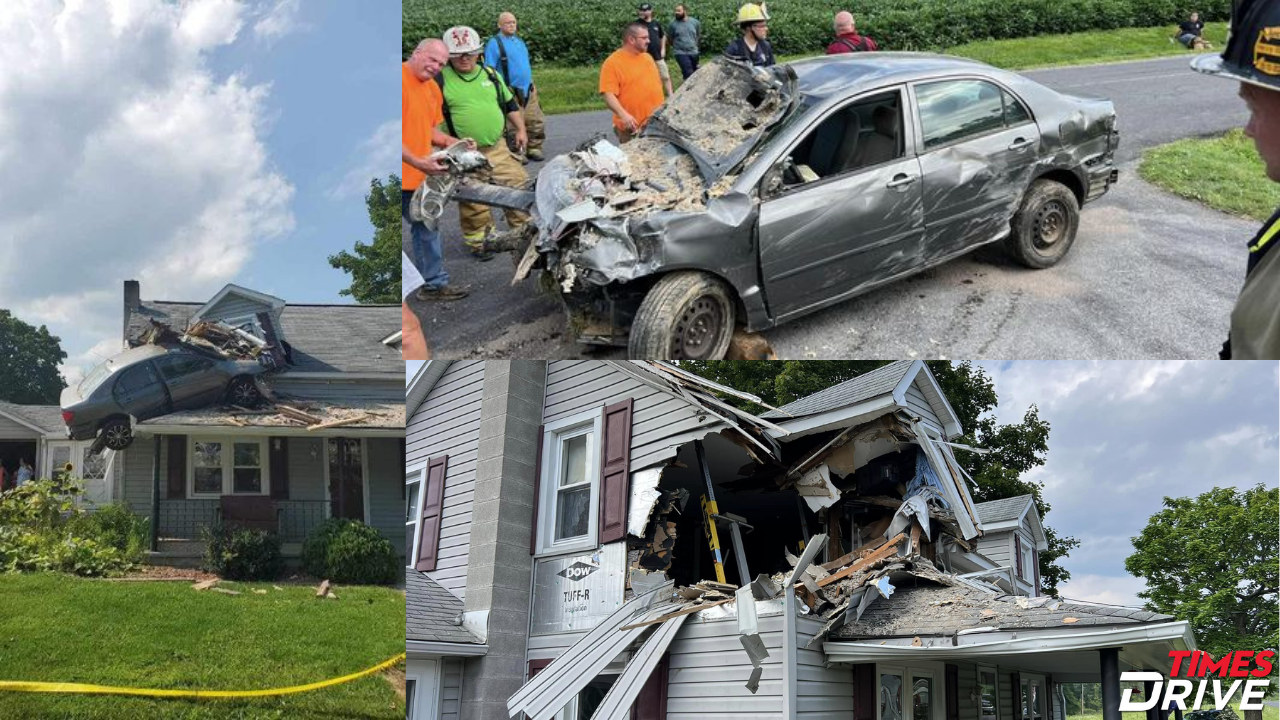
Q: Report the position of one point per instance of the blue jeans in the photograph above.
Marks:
(687, 63)
(428, 251)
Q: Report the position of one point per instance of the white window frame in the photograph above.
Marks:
(228, 465)
(934, 671)
(1028, 557)
(426, 675)
(1027, 680)
(552, 436)
(995, 691)
(418, 473)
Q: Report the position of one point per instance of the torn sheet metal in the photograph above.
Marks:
(763, 588)
(915, 508)
(548, 691)
(617, 703)
(755, 648)
(953, 490)
(753, 682)
(747, 622)
(816, 543)
(816, 488)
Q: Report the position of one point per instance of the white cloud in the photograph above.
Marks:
(278, 20)
(374, 158)
(1110, 590)
(126, 156)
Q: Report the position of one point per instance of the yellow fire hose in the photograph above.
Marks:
(81, 688)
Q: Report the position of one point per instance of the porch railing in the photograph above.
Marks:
(184, 519)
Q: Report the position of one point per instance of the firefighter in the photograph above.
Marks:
(752, 47)
(1252, 57)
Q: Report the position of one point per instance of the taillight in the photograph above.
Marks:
(67, 417)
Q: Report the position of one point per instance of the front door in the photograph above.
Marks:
(346, 478)
(65, 458)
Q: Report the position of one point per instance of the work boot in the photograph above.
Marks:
(443, 293)
(478, 244)
(534, 154)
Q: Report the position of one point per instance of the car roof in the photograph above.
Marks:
(847, 72)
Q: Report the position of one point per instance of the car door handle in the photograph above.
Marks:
(900, 180)
(1021, 144)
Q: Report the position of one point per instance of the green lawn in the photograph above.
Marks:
(573, 89)
(58, 628)
(1224, 173)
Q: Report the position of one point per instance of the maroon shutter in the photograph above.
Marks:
(1017, 552)
(177, 468)
(1016, 679)
(537, 496)
(1036, 568)
(278, 449)
(535, 666)
(615, 463)
(404, 489)
(953, 692)
(651, 704)
(429, 523)
(864, 691)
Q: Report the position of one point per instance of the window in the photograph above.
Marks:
(890, 696)
(921, 697)
(910, 693)
(410, 684)
(134, 381)
(94, 466)
(174, 367)
(570, 483)
(954, 110)
(1032, 697)
(227, 466)
(1015, 113)
(1028, 569)
(865, 133)
(413, 494)
(989, 692)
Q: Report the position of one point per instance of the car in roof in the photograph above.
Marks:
(755, 196)
(149, 381)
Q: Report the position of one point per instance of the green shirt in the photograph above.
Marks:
(473, 104)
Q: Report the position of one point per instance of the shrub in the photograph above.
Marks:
(42, 529)
(585, 31)
(242, 554)
(347, 551)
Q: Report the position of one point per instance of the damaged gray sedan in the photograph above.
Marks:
(755, 196)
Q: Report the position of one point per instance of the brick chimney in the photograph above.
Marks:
(132, 301)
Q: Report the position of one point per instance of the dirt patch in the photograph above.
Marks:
(395, 678)
(164, 572)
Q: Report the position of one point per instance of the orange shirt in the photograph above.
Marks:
(633, 77)
(422, 110)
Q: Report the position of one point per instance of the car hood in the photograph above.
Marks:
(722, 111)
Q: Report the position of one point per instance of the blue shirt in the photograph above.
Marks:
(521, 72)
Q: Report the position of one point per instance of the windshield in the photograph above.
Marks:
(94, 379)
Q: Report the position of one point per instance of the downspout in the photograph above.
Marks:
(789, 653)
(155, 495)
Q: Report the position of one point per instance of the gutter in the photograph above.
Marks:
(273, 431)
(422, 648)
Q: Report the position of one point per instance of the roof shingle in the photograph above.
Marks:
(430, 611)
(850, 392)
(1002, 510)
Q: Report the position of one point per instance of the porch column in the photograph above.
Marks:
(1110, 660)
(1177, 711)
(1148, 687)
(155, 494)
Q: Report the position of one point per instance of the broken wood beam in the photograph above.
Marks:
(299, 414)
(684, 611)
(883, 552)
(861, 552)
(915, 537)
(336, 423)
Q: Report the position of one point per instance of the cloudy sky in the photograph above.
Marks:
(185, 144)
(1126, 434)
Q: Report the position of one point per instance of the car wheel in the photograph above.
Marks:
(685, 316)
(1045, 225)
(243, 391)
(117, 434)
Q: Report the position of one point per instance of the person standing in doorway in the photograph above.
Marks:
(25, 472)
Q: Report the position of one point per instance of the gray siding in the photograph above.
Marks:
(966, 682)
(450, 687)
(234, 305)
(919, 405)
(709, 670)
(549, 647)
(659, 421)
(998, 546)
(136, 485)
(1005, 692)
(386, 490)
(10, 430)
(448, 423)
(822, 693)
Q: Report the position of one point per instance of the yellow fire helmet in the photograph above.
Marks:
(1252, 53)
(751, 13)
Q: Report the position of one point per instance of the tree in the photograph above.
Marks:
(1015, 448)
(375, 268)
(1213, 561)
(29, 358)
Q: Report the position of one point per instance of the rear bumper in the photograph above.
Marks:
(1101, 177)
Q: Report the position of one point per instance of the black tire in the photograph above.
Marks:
(117, 434)
(243, 391)
(687, 315)
(1045, 225)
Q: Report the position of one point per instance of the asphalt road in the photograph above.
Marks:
(1150, 275)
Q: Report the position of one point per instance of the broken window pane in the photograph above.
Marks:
(890, 697)
(572, 508)
(921, 698)
(573, 460)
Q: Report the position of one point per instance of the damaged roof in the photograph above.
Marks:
(850, 392)
(430, 612)
(1003, 510)
(366, 415)
(324, 338)
(928, 608)
(45, 417)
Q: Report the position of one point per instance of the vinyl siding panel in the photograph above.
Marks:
(386, 506)
(10, 430)
(450, 688)
(448, 423)
(822, 693)
(919, 405)
(234, 305)
(136, 484)
(549, 647)
(709, 670)
(659, 423)
(998, 546)
(966, 683)
(1005, 692)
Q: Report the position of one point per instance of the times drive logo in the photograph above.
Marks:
(577, 571)
(1247, 669)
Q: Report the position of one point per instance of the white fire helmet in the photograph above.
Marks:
(462, 40)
